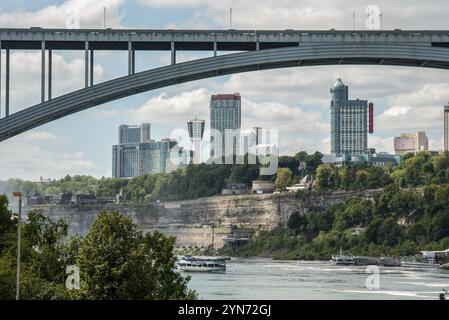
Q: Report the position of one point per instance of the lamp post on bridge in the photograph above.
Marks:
(104, 17)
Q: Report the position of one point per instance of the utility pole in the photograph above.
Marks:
(19, 227)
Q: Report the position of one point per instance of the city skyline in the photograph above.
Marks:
(295, 101)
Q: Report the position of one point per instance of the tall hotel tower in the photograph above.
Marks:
(349, 122)
(225, 114)
(196, 132)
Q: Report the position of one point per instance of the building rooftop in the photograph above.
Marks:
(338, 84)
(235, 96)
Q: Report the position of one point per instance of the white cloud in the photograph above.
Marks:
(418, 110)
(173, 110)
(396, 111)
(59, 16)
(29, 156)
(39, 136)
(173, 3)
(381, 144)
(309, 14)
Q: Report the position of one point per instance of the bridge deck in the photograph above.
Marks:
(205, 40)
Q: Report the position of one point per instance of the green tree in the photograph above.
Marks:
(440, 225)
(117, 262)
(323, 174)
(357, 212)
(7, 225)
(284, 178)
(43, 259)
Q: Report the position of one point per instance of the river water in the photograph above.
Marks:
(291, 280)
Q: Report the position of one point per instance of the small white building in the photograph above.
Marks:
(260, 186)
(302, 185)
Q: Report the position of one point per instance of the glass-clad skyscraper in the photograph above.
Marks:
(137, 154)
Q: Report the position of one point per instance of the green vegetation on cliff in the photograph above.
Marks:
(410, 214)
(195, 181)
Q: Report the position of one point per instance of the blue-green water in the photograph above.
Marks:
(269, 279)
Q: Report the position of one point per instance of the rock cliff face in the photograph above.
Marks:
(202, 222)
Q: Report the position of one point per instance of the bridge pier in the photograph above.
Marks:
(91, 67)
(86, 64)
(133, 61)
(43, 71)
(173, 53)
(0, 78)
(130, 58)
(7, 83)
(50, 58)
(215, 48)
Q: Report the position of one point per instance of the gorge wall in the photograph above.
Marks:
(203, 222)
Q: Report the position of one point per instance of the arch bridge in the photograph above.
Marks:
(257, 50)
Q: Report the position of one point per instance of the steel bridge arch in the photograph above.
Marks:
(412, 55)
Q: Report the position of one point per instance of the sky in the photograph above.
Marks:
(295, 100)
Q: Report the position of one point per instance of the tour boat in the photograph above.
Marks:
(201, 264)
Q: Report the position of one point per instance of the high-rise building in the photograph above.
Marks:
(349, 122)
(196, 132)
(225, 114)
(446, 127)
(411, 143)
(138, 154)
(161, 157)
(145, 133)
(125, 155)
(249, 140)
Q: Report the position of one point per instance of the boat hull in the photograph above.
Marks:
(202, 269)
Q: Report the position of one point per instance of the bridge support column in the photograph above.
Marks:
(86, 64)
(215, 48)
(130, 58)
(7, 83)
(133, 61)
(50, 58)
(43, 71)
(0, 78)
(173, 53)
(91, 67)
(257, 46)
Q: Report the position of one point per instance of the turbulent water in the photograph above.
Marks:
(269, 279)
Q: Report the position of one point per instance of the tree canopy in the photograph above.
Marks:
(116, 261)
